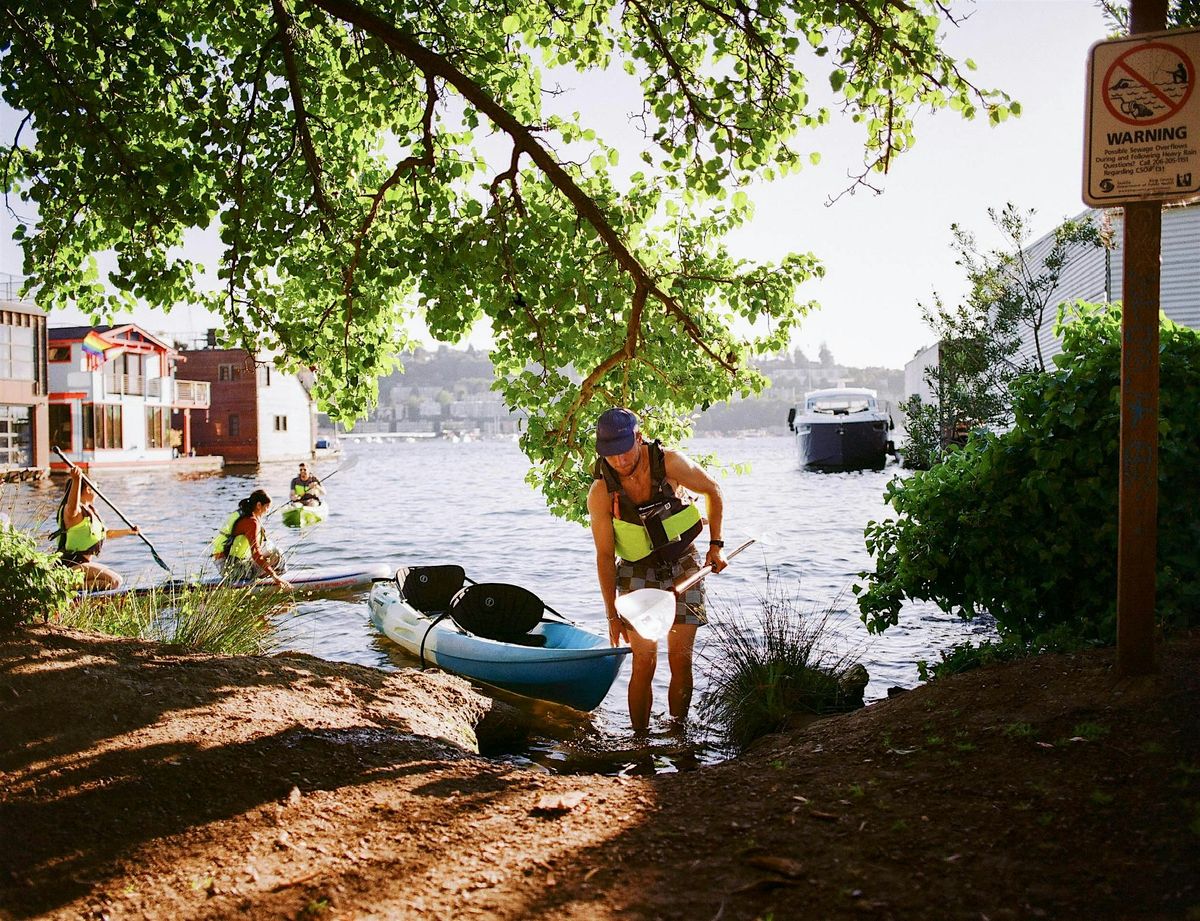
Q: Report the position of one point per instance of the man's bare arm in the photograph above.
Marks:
(600, 512)
(690, 475)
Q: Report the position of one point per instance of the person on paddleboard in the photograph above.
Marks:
(645, 532)
(306, 489)
(242, 549)
(81, 534)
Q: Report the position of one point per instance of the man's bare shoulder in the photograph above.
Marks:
(675, 461)
(597, 491)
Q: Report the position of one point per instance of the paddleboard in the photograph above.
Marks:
(317, 581)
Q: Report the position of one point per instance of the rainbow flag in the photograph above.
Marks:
(94, 347)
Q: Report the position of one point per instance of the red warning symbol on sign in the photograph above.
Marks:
(1149, 83)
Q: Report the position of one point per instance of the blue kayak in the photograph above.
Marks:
(558, 662)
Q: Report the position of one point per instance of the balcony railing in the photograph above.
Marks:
(192, 394)
(124, 384)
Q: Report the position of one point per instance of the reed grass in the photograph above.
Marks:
(198, 619)
(768, 663)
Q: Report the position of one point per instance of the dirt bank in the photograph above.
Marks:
(139, 783)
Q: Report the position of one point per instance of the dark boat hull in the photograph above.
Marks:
(842, 445)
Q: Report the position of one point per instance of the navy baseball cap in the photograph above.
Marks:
(615, 432)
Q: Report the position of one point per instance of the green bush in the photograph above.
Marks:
(1023, 526)
(923, 446)
(32, 584)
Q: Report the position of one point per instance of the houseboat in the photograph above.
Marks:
(841, 429)
(114, 397)
(258, 414)
(24, 443)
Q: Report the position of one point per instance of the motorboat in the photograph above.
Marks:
(495, 634)
(844, 428)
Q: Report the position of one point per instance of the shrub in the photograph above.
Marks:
(32, 584)
(963, 657)
(1023, 526)
(768, 666)
(923, 446)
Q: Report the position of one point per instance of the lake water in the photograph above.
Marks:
(467, 503)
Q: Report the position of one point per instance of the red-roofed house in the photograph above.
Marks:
(111, 401)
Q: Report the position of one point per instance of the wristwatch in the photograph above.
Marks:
(716, 543)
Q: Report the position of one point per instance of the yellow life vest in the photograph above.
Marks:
(85, 536)
(224, 544)
(666, 525)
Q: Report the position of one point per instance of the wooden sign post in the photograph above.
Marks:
(1143, 119)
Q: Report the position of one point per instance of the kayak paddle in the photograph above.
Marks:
(158, 559)
(651, 611)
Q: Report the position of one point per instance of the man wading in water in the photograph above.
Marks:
(637, 516)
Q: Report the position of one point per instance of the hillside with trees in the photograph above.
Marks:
(451, 390)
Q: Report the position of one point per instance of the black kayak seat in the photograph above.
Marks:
(430, 589)
(497, 611)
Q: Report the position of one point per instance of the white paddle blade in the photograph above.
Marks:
(650, 611)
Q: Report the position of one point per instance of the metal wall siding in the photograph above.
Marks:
(1085, 276)
(1180, 293)
(1094, 275)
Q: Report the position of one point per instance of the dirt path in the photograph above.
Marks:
(139, 783)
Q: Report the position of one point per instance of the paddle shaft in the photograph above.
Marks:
(705, 570)
(66, 460)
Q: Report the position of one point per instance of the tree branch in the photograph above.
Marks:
(425, 158)
(293, 79)
(12, 152)
(627, 351)
(435, 64)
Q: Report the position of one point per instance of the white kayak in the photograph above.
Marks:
(556, 661)
(318, 581)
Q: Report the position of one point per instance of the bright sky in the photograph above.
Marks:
(885, 253)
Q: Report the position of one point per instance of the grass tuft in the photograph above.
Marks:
(768, 665)
(224, 620)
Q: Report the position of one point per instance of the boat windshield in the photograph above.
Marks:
(841, 406)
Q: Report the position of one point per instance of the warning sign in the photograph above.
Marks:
(1142, 133)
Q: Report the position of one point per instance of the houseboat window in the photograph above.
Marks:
(235, 425)
(60, 353)
(281, 423)
(16, 437)
(157, 427)
(264, 375)
(224, 372)
(17, 355)
(61, 430)
(102, 427)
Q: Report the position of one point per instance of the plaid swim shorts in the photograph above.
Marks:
(646, 574)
